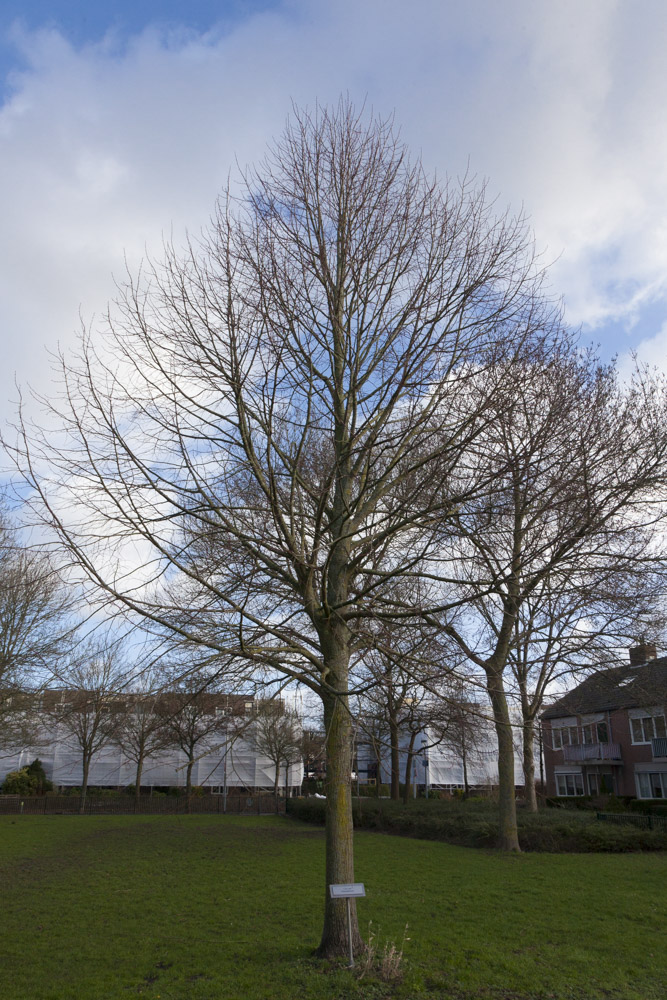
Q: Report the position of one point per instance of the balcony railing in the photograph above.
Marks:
(659, 747)
(592, 752)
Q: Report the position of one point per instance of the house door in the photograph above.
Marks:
(607, 783)
(593, 783)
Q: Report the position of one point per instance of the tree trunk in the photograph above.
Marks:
(508, 838)
(188, 783)
(395, 760)
(276, 784)
(137, 782)
(464, 761)
(339, 833)
(84, 783)
(408, 769)
(529, 763)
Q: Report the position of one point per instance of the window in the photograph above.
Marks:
(564, 736)
(570, 784)
(647, 728)
(652, 786)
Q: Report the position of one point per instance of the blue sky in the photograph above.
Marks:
(119, 123)
(83, 21)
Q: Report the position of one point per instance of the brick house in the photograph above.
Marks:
(608, 734)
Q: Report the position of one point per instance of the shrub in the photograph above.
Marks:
(309, 810)
(29, 780)
(475, 824)
(20, 783)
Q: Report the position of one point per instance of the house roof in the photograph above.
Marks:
(611, 689)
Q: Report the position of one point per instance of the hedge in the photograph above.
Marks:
(476, 825)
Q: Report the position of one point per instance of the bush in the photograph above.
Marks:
(20, 783)
(475, 824)
(29, 780)
(309, 810)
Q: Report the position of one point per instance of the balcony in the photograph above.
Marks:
(593, 752)
(659, 747)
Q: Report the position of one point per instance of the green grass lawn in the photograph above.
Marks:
(208, 907)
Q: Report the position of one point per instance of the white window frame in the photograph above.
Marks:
(568, 736)
(656, 722)
(577, 780)
(649, 783)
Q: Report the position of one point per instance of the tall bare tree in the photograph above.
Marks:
(406, 665)
(86, 715)
(35, 630)
(141, 732)
(463, 727)
(277, 415)
(580, 463)
(565, 631)
(276, 733)
(193, 719)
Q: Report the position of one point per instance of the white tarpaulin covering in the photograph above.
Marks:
(235, 764)
(445, 766)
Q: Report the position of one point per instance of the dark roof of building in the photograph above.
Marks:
(611, 689)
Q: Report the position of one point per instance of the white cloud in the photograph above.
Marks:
(562, 106)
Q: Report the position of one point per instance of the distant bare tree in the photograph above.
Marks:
(141, 732)
(463, 727)
(35, 630)
(580, 464)
(278, 416)
(564, 632)
(276, 734)
(87, 714)
(192, 718)
(405, 665)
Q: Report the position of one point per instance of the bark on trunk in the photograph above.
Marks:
(407, 787)
(464, 761)
(339, 833)
(508, 837)
(84, 783)
(529, 764)
(188, 784)
(137, 782)
(395, 761)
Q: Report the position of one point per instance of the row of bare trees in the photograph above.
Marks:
(95, 706)
(346, 422)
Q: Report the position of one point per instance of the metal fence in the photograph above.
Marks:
(644, 821)
(124, 805)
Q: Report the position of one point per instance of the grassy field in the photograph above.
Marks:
(207, 907)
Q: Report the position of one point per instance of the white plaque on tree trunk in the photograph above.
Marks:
(346, 890)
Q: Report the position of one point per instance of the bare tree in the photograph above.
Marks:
(35, 629)
(313, 751)
(463, 727)
(277, 415)
(87, 712)
(561, 632)
(141, 732)
(580, 464)
(193, 719)
(405, 664)
(276, 733)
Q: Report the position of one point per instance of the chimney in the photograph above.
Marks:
(642, 653)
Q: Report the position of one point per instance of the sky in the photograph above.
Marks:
(120, 122)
